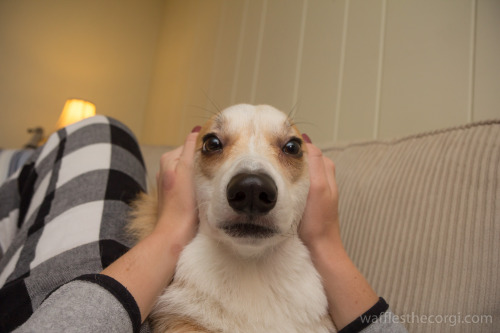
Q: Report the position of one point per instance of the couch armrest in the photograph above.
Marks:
(420, 216)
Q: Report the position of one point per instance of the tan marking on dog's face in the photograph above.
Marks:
(208, 162)
(293, 166)
(250, 139)
(238, 136)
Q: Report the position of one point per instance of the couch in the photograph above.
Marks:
(420, 217)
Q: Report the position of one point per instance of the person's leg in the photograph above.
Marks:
(69, 212)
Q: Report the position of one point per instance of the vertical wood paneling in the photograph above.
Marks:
(275, 78)
(252, 24)
(300, 51)
(426, 66)
(209, 14)
(360, 74)
(318, 82)
(239, 53)
(226, 55)
(340, 79)
(351, 69)
(164, 116)
(380, 68)
(258, 52)
(472, 59)
(183, 69)
(487, 61)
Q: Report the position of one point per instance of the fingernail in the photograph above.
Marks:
(196, 129)
(306, 138)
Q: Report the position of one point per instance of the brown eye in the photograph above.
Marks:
(293, 147)
(211, 144)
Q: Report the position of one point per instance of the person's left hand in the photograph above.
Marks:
(320, 222)
(177, 211)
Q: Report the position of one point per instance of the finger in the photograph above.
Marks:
(169, 160)
(316, 164)
(188, 149)
(330, 172)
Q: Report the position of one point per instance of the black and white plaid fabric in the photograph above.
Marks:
(63, 214)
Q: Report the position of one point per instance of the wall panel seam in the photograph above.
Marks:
(299, 55)
(259, 51)
(380, 68)
(196, 10)
(211, 102)
(239, 52)
(341, 72)
(472, 61)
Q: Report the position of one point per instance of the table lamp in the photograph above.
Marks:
(75, 110)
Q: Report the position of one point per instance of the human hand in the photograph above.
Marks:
(147, 267)
(349, 294)
(177, 212)
(320, 222)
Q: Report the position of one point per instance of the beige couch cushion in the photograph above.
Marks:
(420, 216)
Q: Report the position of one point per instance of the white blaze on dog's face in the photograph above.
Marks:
(251, 178)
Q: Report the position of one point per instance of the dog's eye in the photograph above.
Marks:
(211, 144)
(292, 147)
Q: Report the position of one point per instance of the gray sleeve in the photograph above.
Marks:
(387, 323)
(93, 303)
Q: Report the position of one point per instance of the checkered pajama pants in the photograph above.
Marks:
(63, 214)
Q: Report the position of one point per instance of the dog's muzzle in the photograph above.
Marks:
(252, 196)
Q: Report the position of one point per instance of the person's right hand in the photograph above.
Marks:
(147, 268)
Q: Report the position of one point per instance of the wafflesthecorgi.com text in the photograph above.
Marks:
(446, 319)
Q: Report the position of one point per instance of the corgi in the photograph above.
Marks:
(246, 270)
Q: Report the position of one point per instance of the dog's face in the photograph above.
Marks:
(251, 178)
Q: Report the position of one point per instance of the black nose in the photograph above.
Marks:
(253, 194)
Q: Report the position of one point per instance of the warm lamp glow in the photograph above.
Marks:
(75, 110)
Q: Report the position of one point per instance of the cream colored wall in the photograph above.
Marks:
(183, 69)
(52, 50)
(351, 69)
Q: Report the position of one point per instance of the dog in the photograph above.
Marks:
(246, 270)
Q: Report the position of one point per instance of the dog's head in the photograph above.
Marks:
(251, 178)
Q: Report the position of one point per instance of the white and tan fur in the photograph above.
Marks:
(227, 283)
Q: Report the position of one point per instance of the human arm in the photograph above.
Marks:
(121, 296)
(349, 294)
(138, 270)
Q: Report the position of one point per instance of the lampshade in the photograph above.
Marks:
(75, 110)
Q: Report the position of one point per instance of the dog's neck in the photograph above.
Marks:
(222, 256)
(284, 278)
(222, 263)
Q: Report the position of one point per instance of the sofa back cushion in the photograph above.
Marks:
(420, 216)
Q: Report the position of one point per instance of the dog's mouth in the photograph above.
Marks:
(247, 226)
(243, 230)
